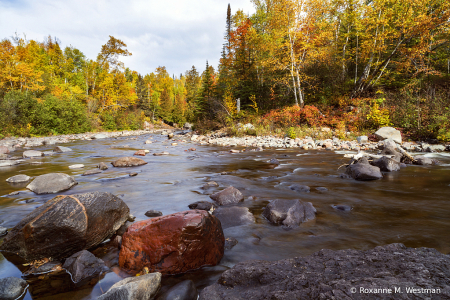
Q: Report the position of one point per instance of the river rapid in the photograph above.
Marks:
(410, 206)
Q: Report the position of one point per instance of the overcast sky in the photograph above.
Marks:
(172, 33)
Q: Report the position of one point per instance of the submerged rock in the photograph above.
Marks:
(51, 183)
(65, 225)
(342, 207)
(300, 188)
(153, 213)
(91, 172)
(102, 166)
(140, 153)
(340, 274)
(184, 290)
(8, 163)
(61, 149)
(84, 266)
(234, 216)
(230, 242)
(173, 244)
(134, 288)
(11, 288)
(18, 178)
(230, 195)
(289, 213)
(32, 153)
(128, 162)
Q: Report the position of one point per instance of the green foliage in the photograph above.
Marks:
(291, 133)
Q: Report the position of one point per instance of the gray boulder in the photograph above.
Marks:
(340, 274)
(392, 150)
(435, 148)
(362, 139)
(184, 290)
(32, 153)
(18, 179)
(61, 149)
(134, 288)
(234, 216)
(91, 172)
(153, 213)
(203, 205)
(4, 150)
(389, 133)
(364, 171)
(102, 166)
(12, 288)
(300, 188)
(289, 213)
(128, 162)
(423, 160)
(84, 266)
(8, 163)
(51, 183)
(230, 195)
(387, 164)
(188, 125)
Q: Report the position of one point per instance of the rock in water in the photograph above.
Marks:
(134, 288)
(99, 136)
(102, 166)
(3, 231)
(32, 153)
(389, 133)
(289, 213)
(65, 225)
(331, 274)
(364, 172)
(11, 288)
(234, 216)
(61, 149)
(230, 195)
(91, 172)
(387, 164)
(140, 153)
(4, 150)
(84, 266)
(300, 188)
(7, 163)
(423, 160)
(153, 213)
(18, 179)
(51, 183)
(173, 244)
(184, 290)
(203, 205)
(128, 162)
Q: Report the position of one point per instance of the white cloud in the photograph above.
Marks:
(172, 33)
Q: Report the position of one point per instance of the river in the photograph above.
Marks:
(410, 206)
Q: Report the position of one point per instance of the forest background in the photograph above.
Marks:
(349, 65)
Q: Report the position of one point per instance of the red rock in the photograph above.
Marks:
(140, 152)
(173, 244)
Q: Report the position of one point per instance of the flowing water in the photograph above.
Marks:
(411, 206)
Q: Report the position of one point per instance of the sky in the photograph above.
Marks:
(176, 34)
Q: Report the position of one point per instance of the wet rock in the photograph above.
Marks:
(134, 288)
(364, 172)
(234, 216)
(274, 161)
(161, 153)
(170, 136)
(3, 156)
(100, 136)
(77, 166)
(300, 188)
(131, 218)
(8, 163)
(65, 225)
(148, 142)
(133, 174)
(128, 162)
(32, 153)
(123, 229)
(423, 160)
(91, 172)
(3, 231)
(18, 179)
(389, 133)
(230, 195)
(321, 189)
(61, 149)
(84, 266)
(387, 164)
(329, 274)
(51, 183)
(184, 290)
(234, 151)
(102, 166)
(173, 244)
(192, 149)
(392, 150)
(4, 150)
(230, 242)
(435, 148)
(174, 144)
(289, 213)
(203, 205)
(342, 207)
(209, 184)
(153, 213)
(11, 288)
(140, 152)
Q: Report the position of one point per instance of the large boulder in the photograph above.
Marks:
(342, 274)
(12, 288)
(387, 164)
(289, 213)
(184, 290)
(234, 216)
(389, 133)
(65, 225)
(230, 195)
(134, 288)
(364, 171)
(83, 266)
(173, 244)
(128, 162)
(51, 183)
(392, 150)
